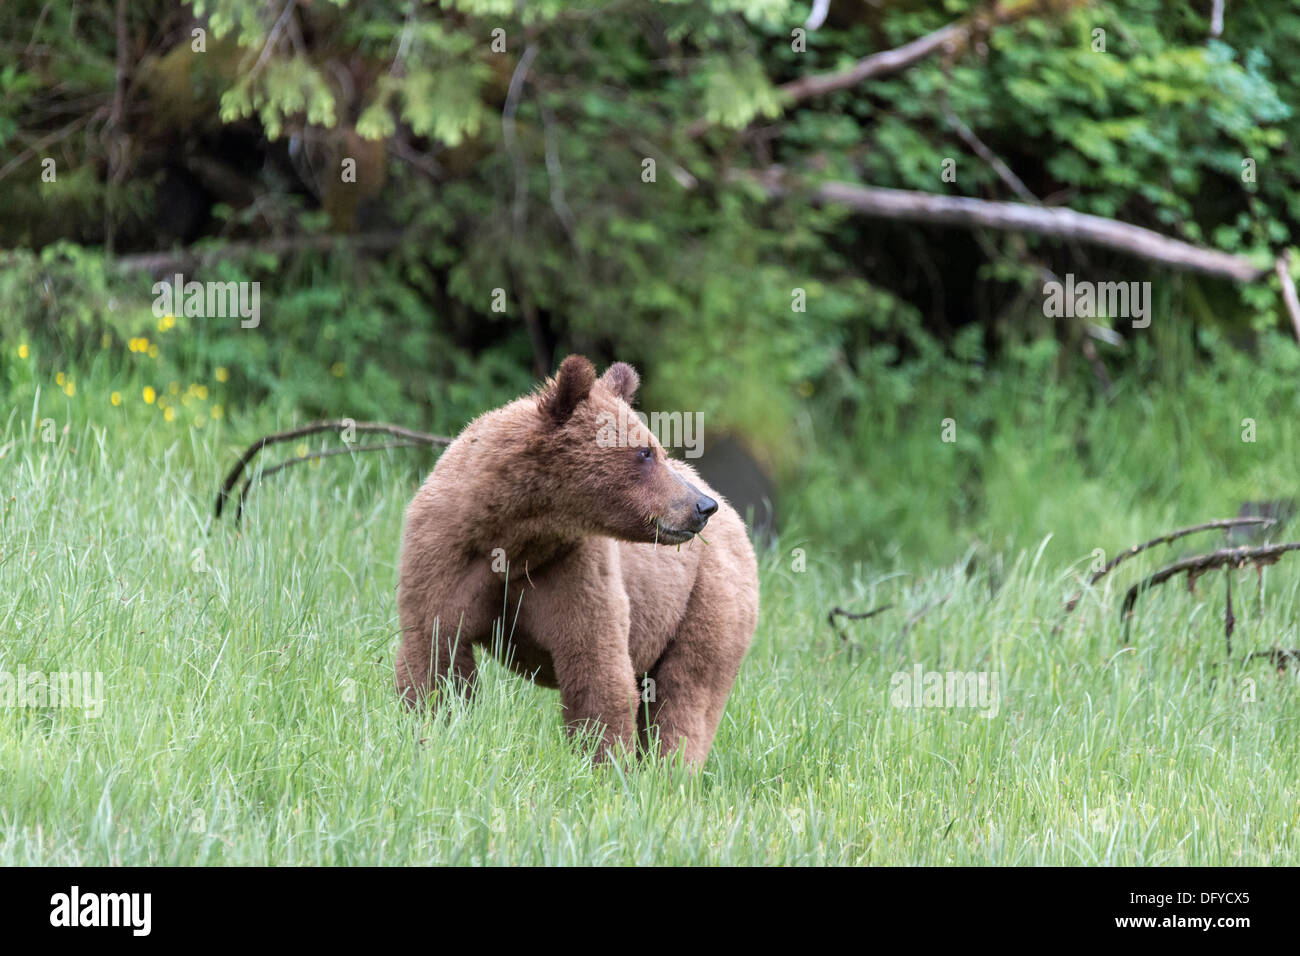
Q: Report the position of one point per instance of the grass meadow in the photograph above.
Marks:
(247, 713)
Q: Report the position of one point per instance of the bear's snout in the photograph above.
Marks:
(698, 514)
(704, 510)
(687, 515)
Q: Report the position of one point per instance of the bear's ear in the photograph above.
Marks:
(572, 384)
(621, 379)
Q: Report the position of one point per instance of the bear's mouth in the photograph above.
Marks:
(667, 535)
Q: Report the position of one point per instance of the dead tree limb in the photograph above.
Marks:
(1216, 19)
(948, 40)
(315, 428)
(877, 64)
(1289, 297)
(1055, 222)
(838, 611)
(1195, 566)
(1279, 657)
(1221, 523)
(817, 16)
(256, 477)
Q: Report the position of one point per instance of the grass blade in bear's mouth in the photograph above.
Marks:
(672, 535)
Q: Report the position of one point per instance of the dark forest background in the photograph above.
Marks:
(441, 200)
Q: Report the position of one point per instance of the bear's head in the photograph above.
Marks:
(611, 475)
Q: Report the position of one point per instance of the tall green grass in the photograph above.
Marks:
(1043, 452)
(248, 714)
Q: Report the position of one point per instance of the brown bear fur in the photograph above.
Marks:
(604, 583)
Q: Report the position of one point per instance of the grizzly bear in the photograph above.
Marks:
(556, 533)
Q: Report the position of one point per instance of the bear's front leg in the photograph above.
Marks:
(598, 694)
(444, 612)
(577, 612)
(693, 679)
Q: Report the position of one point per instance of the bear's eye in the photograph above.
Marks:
(644, 454)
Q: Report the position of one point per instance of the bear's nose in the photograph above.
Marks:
(705, 507)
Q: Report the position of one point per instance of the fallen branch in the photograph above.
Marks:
(314, 428)
(1279, 657)
(261, 473)
(838, 611)
(1289, 298)
(1056, 222)
(1123, 556)
(1194, 567)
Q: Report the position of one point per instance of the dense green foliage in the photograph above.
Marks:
(693, 276)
